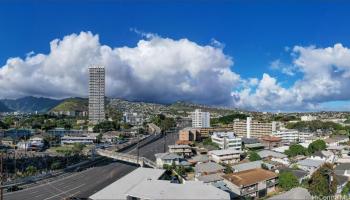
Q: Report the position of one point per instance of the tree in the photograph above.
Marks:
(253, 156)
(228, 168)
(78, 148)
(287, 180)
(106, 126)
(55, 165)
(346, 190)
(228, 118)
(323, 182)
(99, 138)
(30, 171)
(3, 125)
(295, 149)
(317, 145)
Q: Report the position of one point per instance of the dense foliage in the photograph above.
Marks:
(163, 122)
(287, 180)
(346, 190)
(296, 149)
(317, 145)
(315, 125)
(228, 119)
(253, 156)
(106, 126)
(284, 118)
(320, 184)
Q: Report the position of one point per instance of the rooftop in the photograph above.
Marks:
(249, 177)
(247, 166)
(210, 178)
(311, 162)
(167, 156)
(342, 167)
(178, 146)
(269, 138)
(294, 194)
(200, 158)
(119, 188)
(225, 152)
(269, 153)
(159, 189)
(208, 167)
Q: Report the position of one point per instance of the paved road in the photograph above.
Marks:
(87, 182)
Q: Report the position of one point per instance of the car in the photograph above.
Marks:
(13, 188)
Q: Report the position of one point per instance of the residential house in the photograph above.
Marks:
(274, 156)
(253, 183)
(247, 166)
(199, 159)
(343, 169)
(211, 178)
(336, 140)
(228, 156)
(208, 168)
(310, 165)
(167, 159)
(270, 141)
(326, 156)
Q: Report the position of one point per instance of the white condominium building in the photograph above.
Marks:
(200, 119)
(227, 140)
(96, 94)
(251, 128)
(308, 118)
(291, 135)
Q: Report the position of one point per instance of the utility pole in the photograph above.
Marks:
(164, 141)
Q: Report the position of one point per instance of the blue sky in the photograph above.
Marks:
(254, 33)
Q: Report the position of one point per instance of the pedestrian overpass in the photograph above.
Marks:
(142, 161)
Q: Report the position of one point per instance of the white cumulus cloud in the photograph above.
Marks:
(325, 77)
(156, 69)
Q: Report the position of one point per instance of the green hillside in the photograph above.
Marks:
(4, 108)
(30, 104)
(72, 104)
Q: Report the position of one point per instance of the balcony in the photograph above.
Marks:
(271, 183)
(249, 190)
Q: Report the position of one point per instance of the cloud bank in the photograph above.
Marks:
(157, 69)
(164, 70)
(325, 78)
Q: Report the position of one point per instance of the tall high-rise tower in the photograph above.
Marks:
(96, 94)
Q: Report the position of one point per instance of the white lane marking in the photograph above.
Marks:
(62, 193)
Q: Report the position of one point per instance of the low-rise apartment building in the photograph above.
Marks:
(252, 128)
(253, 183)
(291, 135)
(228, 156)
(227, 140)
(188, 135)
(133, 118)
